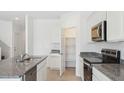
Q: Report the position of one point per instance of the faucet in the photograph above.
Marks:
(23, 56)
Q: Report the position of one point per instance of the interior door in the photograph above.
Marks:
(62, 63)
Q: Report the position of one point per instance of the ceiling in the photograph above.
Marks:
(11, 15)
(20, 15)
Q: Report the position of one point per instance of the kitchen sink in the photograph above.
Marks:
(29, 60)
(23, 60)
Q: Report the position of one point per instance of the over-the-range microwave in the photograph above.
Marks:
(98, 32)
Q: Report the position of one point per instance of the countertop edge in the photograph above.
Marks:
(34, 65)
(104, 73)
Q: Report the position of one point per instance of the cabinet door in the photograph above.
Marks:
(93, 19)
(81, 68)
(99, 76)
(94, 78)
(42, 71)
(54, 61)
(115, 26)
(31, 75)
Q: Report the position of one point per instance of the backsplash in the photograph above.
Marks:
(96, 47)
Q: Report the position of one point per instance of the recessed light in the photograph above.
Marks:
(16, 18)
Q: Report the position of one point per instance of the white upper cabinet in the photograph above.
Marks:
(95, 18)
(115, 26)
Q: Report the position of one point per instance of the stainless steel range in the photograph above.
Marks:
(109, 56)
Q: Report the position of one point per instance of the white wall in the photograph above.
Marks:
(18, 38)
(70, 32)
(46, 31)
(6, 37)
(29, 34)
(6, 32)
(84, 37)
(71, 19)
(96, 47)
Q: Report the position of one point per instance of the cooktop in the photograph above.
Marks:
(108, 56)
(93, 60)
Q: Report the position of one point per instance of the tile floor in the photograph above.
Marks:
(68, 75)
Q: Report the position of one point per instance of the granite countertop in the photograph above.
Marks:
(113, 71)
(91, 57)
(94, 56)
(93, 60)
(90, 54)
(11, 68)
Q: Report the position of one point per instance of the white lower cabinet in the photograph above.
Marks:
(99, 76)
(42, 71)
(95, 78)
(81, 69)
(54, 61)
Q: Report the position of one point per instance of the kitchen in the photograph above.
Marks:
(108, 46)
(45, 38)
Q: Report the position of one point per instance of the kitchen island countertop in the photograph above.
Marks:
(10, 68)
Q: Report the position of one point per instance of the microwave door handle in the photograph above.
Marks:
(102, 31)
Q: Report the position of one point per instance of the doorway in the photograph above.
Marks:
(68, 48)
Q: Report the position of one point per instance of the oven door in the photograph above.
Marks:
(87, 72)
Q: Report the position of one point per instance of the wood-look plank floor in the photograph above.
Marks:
(68, 75)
